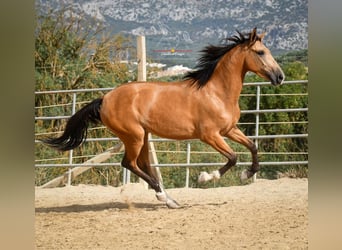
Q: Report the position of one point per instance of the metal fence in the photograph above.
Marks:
(187, 164)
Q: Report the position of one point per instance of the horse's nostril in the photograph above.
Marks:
(280, 78)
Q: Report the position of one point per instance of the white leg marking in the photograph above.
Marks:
(216, 174)
(170, 203)
(204, 177)
(244, 175)
(161, 196)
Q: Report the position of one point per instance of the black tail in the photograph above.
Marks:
(76, 128)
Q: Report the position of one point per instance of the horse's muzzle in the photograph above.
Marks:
(277, 77)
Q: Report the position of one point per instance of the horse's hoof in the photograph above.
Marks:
(170, 203)
(161, 196)
(204, 177)
(245, 175)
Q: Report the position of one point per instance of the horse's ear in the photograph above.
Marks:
(253, 36)
(261, 36)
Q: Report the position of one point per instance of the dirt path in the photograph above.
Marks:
(268, 214)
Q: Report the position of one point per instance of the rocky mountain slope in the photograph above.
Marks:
(192, 24)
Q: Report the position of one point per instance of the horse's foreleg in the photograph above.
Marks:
(236, 134)
(218, 143)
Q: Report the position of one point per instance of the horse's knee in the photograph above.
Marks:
(232, 159)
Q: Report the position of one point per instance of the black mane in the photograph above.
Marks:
(211, 55)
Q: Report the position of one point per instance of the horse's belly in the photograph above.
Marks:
(171, 125)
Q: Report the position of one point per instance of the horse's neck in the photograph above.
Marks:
(228, 77)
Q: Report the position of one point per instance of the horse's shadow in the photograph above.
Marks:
(99, 207)
(118, 206)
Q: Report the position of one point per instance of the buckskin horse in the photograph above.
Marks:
(204, 105)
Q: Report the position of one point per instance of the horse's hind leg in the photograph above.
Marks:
(133, 147)
(145, 166)
(236, 135)
(144, 161)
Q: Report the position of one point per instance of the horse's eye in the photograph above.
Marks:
(260, 52)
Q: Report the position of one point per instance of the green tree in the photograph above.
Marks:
(295, 70)
(71, 52)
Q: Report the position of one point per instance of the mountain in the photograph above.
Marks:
(187, 26)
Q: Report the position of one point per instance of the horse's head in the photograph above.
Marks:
(260, 60)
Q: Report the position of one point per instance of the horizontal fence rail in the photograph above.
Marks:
(117, 164)
(188, 164)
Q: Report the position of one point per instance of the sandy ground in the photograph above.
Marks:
(267, 214)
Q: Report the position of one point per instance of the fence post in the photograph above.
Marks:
(188, 150)
(141, 54)
(142, 76)
(126, 177)
(73, 110)
(257, 123)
